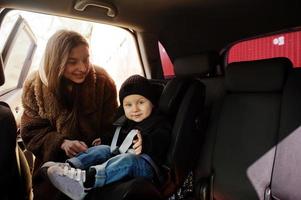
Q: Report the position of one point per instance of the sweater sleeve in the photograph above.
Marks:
(38, 135)
(41, 138)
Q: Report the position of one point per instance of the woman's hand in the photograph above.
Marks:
(96, 142)
(137, 144)
(73, 147)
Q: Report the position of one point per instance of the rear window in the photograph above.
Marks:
(278, 45)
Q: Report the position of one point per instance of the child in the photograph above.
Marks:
(103, 164)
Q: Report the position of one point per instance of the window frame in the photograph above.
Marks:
(19, 25)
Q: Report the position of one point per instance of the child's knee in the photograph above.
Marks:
(98, 148)
(129, 157)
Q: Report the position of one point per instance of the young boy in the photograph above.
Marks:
(103, 164)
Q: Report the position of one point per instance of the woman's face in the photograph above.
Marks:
(78, 64)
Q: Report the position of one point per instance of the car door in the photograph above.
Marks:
(17, 53)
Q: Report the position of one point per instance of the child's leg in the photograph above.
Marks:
(93, 156)
(121, 166)
(71, 181)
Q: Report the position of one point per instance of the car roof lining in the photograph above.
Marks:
(184, 27)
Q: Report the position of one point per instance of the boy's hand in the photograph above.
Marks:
(96, 142)
(137, 144)
(73, 147)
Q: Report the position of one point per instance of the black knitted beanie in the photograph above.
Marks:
(137, 84)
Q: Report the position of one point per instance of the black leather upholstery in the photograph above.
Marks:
(171, 97)
(7, 149)
(286, 178)
(197, 65)
(14, 170)
(257, 76)
(185, 136)
(15, 176)
(243, 135)
(203, 67)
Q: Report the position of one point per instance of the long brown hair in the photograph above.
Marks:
(56, 55)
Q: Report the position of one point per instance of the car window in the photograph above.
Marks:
(17, 52)
(112, 48)
(278, 45)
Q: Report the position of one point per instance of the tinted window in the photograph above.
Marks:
(278, 45)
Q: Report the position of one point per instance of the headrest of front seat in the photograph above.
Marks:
(196, 65)
(265, 75)
(2, 77)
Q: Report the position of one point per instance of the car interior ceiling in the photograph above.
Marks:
(195, 25)
(237, 160)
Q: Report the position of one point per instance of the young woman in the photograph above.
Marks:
(68, 103)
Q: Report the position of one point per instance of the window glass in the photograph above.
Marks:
(115, 49)
(167, 65)
(278, 45)
(112, 48)
(16, 60)
(16, 51)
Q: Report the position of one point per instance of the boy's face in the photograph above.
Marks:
(137, 107)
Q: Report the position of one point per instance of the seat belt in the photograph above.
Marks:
(127, 142)
(124, 148)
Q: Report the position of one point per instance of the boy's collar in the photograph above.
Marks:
(120, 121)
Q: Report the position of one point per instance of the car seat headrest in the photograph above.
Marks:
(171, 96)
(265, 75)
(196, 65)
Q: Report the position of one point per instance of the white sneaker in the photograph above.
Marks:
(68, 180)
(49, 164)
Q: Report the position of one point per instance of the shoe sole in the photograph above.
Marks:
(68, 186)
(48, 164)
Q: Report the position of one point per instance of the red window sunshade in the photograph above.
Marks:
(167, 65)
(280, 45)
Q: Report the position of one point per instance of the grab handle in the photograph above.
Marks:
(81, 5)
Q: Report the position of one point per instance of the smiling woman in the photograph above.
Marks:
(67, 108)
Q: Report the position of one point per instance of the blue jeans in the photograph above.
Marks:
(110, 169)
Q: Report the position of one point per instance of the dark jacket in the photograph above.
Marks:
(155, 131)
(45, 122)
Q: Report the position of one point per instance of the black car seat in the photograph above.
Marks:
(7, 148)
(238, 160)
(204, 67)
(14, 172)
(181, 101)
(286, 178)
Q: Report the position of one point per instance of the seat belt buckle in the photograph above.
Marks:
(132, 151)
